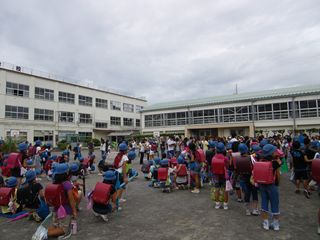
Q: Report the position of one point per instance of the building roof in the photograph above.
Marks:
(57, 78)
(242, 97)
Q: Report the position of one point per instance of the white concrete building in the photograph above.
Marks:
(36, 105)
(269, 112)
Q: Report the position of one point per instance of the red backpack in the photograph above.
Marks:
(154, 147)
(117, 160)
(263, 172)
(315, 170)
(162, 174)
(55, 195)
(5, 195)
(86, 162)
(183, 170)
(173, 162)
(14, 160)
(101, 193)
(242, 165)
(217, 164)
(199, 155)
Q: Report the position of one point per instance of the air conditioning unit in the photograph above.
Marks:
(18, 68)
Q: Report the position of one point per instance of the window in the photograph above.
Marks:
(21, 137)
(101, 125)
(242, 114)
(157, 120)
(114, 105)
(181, 118)
(85, 118)
(17, 112)
(43, 93)
(228, 114)
(85, 101)
(170, 119)
(128, 107)
(84, 136)
(148, 120)
(308, 108)
(101, 103)
(280, 110)
(128, 122)
(138, 108)
(16, 89)
(138, 123)
(265, 112)
(43, 114)
(66, 117)
(66, 97)
(210, 115)
(115, 121)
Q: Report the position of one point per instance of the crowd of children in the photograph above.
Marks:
(244, 165)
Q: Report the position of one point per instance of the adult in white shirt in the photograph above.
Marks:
(171, 146)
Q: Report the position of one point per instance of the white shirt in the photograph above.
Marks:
(171, 145)
(123, 160)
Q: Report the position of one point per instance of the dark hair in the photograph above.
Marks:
(234, 146)
(296, 145)
(60, 178)
(163, 155)
(306, 141)
(109, 181)
(192, 146)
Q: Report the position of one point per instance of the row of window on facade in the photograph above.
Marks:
(16, 112)
(21, 90)
(283, 110)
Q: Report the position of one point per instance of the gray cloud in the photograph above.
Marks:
(167, 50)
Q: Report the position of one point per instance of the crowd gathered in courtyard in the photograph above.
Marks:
(245, 168)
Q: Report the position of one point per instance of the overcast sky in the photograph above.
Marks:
(167, 49)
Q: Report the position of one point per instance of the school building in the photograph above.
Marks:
(37, 105)
(281, 111)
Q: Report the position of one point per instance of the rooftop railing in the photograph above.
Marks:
(38, 73)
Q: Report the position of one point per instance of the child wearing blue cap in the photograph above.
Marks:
(30, 195)
(9, 204)
(61, 227)
(102, 194)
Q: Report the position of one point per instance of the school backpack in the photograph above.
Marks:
(145, 168)
(117, 160)
(48, 165)
(86, 162)
(263, 172)
(5, 195)
(14, 160)
(101, 193)
(162, 174)
(55, 195)
(242, 165)
(199, 155)
(217, 164)
(173, 162)
(315, 170)
(183, 170)
(154, 147)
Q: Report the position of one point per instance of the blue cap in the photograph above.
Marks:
(263, 142)
(109, 175)
(315, 144)
(242, 148)
(123, 147)
(256, 148)
(150, 162)
(22, 147)
(157, 160)
(29, 162)
(81, 159)
(11, 182)
(164, 163)
(61, 168)
(74, 167)
(30, 175)
(212, 144)
(268, 149)
(65, 152)
(38, 143)
(132, 155)
(229, 145)
(181, 159)
(220, 147)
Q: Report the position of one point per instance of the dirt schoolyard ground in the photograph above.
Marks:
(151, 214)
